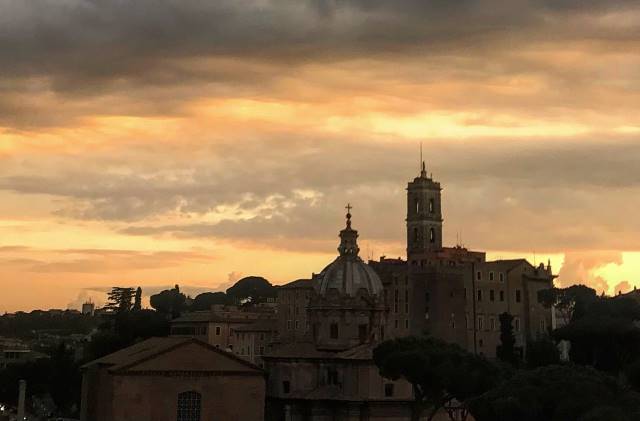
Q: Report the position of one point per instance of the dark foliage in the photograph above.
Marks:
(557, 393)
(571, 302)
(27, 325)
(59, 376)
(252, 288)
(119, 299)
(605, 336)
(170, 302)
(205, 300)
(438, 371)
(542, 352)
(137, 302)
(506, 350)
(128, 328)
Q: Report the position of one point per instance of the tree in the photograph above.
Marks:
(119, 299)
(569, 302)
(253, 289)
(542, 352)
(205, 300)
(170, 302)
(506, 350)
(437, 371)
(137, 303)
(605, 336)
(127, 329)
(557, 393)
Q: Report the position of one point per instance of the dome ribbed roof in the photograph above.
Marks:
(348, 274)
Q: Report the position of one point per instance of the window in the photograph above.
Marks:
(492, 296)
(432, 205)
(501, 295)
(417, 205)
(406, 301)
(297, 324)
(479, 295)
(466, 320)
(415, 234)
(218, 331)
(480, 322)
(388, 390)
(516, 323)
(189, 404)
(453, 320)
(518, 296)
(334, 331)
(479, 276)
(543, 325)
(480, 343)
(501, 277)
(262, 336)
(288, 324)
(396, 324)
(286, 387)
(406, 323)
(432, 235)
(491, 276)
(492, 323)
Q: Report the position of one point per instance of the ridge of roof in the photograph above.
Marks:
(153, 347)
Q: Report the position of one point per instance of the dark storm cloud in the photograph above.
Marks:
(93, 48)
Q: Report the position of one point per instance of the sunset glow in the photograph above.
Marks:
(154, 154)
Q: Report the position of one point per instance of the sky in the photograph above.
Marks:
(158, 142)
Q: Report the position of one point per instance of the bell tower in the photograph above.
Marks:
(424, 215)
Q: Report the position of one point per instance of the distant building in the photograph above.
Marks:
(254, 340)
(14, 352)
(169, 379)
(216, 326)
(88, 308)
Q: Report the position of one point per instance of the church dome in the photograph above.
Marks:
(348, 274)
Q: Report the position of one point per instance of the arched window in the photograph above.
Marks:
(417, 205)
(432, 235)
(189, 404)
(432, 205)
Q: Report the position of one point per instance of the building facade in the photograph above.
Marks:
(327, 372)
(169, 379)
(454, 293)
(218, 325)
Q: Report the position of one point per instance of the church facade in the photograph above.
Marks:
(322, 367)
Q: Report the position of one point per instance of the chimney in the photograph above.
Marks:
(22, 394)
